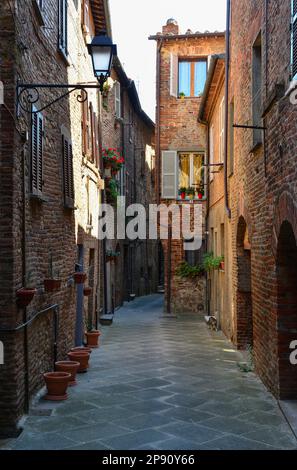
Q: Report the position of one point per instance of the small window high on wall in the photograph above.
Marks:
(192, 77)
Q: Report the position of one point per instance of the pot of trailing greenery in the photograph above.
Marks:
(112, 256)
(212, 262)
(182, 193)
(52, 283)
(112, 191)
(68, 366)
(191, 193)
(82, 357)
(182, 95)
(79, 277)
(185, 270)
(92, 335)
(200, 192)
(26, 294)
(56, 384)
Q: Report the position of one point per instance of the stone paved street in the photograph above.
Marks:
(160, 384)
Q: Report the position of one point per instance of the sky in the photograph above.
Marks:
(133, 21)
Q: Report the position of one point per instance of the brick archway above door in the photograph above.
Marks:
(285, 210)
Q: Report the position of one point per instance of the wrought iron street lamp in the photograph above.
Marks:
(102, 51)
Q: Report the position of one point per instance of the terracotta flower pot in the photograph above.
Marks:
(222, 265)
(82, 357)
(81, 348)
(56, 383)
(183, 196)
(87, 291)
(79, 278)
(25, 296)
(93, 338)
(200, 196)
(52, 285)
(68, 366)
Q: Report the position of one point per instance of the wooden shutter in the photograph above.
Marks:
(294, 39)
(169, 174)
(117, 96)
(92, 129)
(37, 153)
(86, 129)
(173, 75)
(63, 25)
(97, 145)
(68, 182)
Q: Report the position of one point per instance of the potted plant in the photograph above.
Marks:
(25, 294)
(112, 255)
(200, 192)
(57, 384)
(222, 264)
(92, 334)
(112, 191)
(211, 262)
(52, 283)
(182, 95)
(112, 159)
(68, 366)
(191, 193)
(182, 193)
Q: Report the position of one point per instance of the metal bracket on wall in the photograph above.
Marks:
(242, 126)
(28, 94)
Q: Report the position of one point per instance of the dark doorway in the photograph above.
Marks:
(286, 271)
(244, 288)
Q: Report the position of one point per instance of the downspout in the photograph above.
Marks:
(158, 137)
(24, 270)
(227, 76)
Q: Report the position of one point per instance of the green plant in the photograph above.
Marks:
(181, 94)
(190, 191)
(211, 262)
(182, 190)
(185, 270)
(113, 189)
(112, 254)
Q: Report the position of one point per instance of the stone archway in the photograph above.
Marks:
(286, 275)
(244, 311)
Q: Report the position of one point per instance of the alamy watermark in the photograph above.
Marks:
(1, 93)
(136, 222)
(293, 355)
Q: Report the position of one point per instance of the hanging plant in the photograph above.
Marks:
(185, 270)
(211, 262)
(112, 159)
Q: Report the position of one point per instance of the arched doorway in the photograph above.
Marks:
(286, 272)
(244, 288)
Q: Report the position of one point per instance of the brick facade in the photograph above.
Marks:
(178, 131)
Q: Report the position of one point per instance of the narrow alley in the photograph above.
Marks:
(159, 383)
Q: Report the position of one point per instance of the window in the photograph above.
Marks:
(88, 25)
(67, 157)
(192, 77)
(231, 139)
(221, 130)
(37, 153)
(294, 40)
(191, 170)
(257, 90)
(63, 27)
(117, 97)
(195, 257)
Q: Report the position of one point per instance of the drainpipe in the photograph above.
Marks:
(158, 136)
(227, 75)
(79, 299)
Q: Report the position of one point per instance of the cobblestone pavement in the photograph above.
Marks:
(159, 383)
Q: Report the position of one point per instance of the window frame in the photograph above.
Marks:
(222, 130)
(192, 61)
(63, 34)
(67, 170)
(191, 176)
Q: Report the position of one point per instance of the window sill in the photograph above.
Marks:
(196, 199)
(39, 198)
(64, 56)
(39, 13)
(69, 206)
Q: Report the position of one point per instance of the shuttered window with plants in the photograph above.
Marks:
(63, 27)
(37, 133)
(67, 154)
(294, 39)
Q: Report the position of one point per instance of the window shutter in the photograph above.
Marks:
(173, 75)
(63, 25)
(37, 153)
(117, 86)
(294, 39)
(211, 152)
(67, 153)
(93, 137)
(169, 174)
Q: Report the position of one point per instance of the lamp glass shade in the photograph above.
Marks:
(101, 59)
